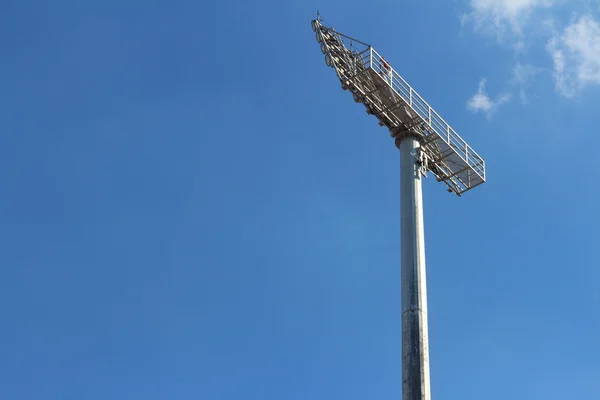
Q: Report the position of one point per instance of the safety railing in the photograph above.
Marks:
(434, 123)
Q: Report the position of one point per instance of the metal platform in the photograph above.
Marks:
(374, 83)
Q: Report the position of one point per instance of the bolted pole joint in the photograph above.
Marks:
(400, 134)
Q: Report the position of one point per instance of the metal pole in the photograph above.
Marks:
(415, 341)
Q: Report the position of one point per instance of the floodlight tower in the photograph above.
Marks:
(426, 143)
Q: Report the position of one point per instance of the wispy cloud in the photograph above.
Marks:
(503, 17)
(482, 102)
(522, 77)
(576, 56)
(573, 48)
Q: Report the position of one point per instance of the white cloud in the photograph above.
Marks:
(576, 56)
(523, 75)
(480, 101)
(500, 17)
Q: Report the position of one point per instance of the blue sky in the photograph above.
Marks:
(192, 208)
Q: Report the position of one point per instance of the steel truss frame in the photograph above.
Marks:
(386, 95)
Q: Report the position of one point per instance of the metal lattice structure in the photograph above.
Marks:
(386, 95)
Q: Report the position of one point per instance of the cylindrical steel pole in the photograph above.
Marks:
(415, 341)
